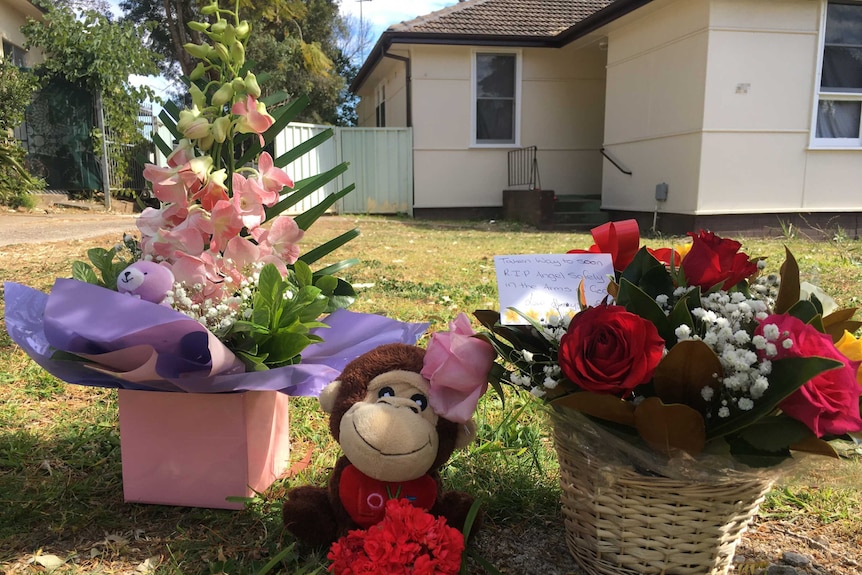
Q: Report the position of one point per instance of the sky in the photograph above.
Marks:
(380, 14)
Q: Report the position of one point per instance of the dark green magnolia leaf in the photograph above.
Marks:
(688, 367)
(806, 312)
(639, 302)
(788, 290)
(600, 406)
(681, 314)
(649, 274)
(669, 428)
(749, 455)
(788, 375)
(775, 433)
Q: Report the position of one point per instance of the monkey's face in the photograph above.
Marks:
(392, 434)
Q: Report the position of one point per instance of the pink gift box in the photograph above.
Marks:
(196, 449)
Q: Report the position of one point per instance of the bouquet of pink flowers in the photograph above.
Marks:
(695, 350)
(408, 540)
(217, 294)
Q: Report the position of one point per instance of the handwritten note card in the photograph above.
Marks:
(542, 285)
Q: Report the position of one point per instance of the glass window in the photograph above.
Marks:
(496, 90)
(839, 108)
(16, 54)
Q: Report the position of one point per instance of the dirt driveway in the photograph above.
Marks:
(31, 228)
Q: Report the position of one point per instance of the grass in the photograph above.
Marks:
(60, 476)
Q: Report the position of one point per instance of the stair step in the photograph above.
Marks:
(590, 217)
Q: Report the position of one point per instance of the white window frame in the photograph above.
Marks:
(819, 95)
(516, 142)
(380, 106)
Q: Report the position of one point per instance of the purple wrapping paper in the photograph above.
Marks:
(151, 347)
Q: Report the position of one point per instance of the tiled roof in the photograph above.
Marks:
(504, 17)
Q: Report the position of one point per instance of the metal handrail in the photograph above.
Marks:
(615, 163)
(524, 168)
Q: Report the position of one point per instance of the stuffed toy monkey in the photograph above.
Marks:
(389, 416)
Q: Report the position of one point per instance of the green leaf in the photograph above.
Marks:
(309, 216)
(326, 284)
(304, 276)
(82, 271)
(775, 433)
(270, 285)
(302, 190)
(301, 149)
(285, 346)
(788, 375)
(325, 249)
(639, 302)
(649, 274)
(336, 267)
(749, 455)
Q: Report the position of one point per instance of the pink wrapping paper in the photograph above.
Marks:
(197, 449)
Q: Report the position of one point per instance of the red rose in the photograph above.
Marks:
(713, 260)
(828, 403)
(610, 350)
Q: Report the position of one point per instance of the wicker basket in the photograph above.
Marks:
(623, 522)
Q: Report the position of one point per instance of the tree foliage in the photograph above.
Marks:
(295, 41)
(90, 50)
(16, 89)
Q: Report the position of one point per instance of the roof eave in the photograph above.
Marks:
(390, 37)
(601, 18)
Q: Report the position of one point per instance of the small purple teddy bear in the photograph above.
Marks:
(146, 280)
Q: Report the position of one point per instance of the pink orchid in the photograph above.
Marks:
(253, 117)
(213, 191)
(152, 220)
(271, 178)
(241, 255)
(282, 238)
(182, 154)
(166, 243)
(168, 185)
(199, 270)
(225, 224)
(247, 202)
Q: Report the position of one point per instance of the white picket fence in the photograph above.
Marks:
(381, 167)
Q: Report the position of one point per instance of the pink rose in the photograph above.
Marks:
(457, 365)
(828, 403)
(610, 350)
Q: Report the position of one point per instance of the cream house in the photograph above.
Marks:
(720, 114)
(13, 15)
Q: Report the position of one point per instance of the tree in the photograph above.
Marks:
(91, 51)
(16, 89)
(296, 41)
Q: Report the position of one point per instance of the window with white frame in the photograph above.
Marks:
(839, 105)
(496, 90)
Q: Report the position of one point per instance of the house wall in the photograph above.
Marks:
(762, 70)
(13, 15)
(654, 107)
(715, 98)
(561, 91)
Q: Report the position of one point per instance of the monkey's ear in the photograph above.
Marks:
(466, 434)
(328, 394)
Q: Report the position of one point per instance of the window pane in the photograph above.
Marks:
(842, 69)
(838, 119)
(495, 75)
(495, 121)
(844, 24)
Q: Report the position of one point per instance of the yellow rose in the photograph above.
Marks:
(851, 348)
